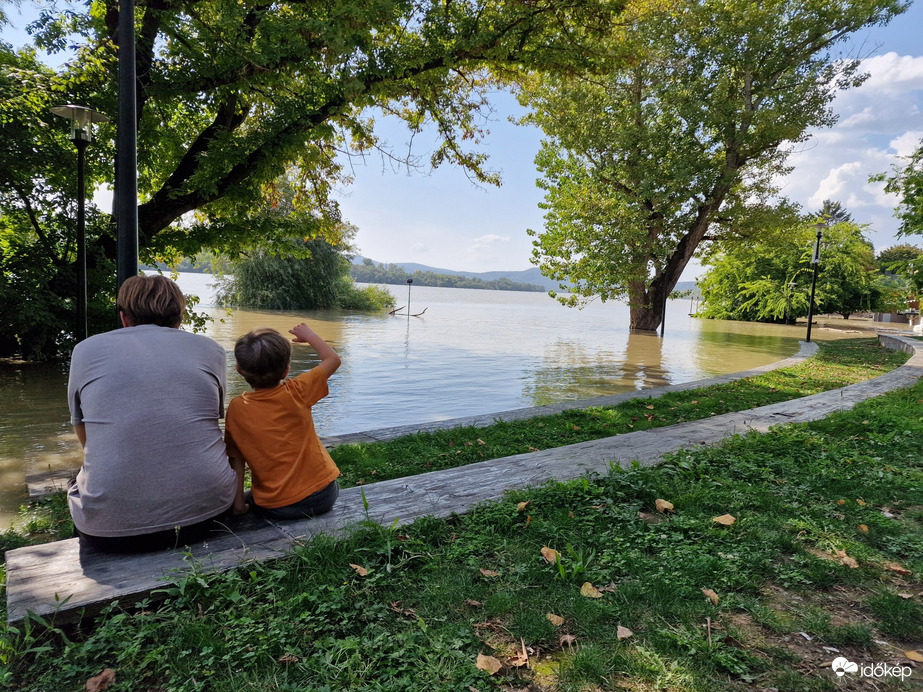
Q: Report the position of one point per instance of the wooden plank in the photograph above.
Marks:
(58, 579)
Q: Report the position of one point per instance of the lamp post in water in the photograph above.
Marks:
(82, 120)
(815, 260)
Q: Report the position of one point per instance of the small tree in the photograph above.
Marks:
(312, 275)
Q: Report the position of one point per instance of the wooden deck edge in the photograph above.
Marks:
(57, 580)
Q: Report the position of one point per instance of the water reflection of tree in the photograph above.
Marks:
(571, 371)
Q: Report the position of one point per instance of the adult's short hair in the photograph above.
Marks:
(152, 299)
(263, 355)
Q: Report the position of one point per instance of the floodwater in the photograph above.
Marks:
(471, 352)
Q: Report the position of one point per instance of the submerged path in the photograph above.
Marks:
(59, 578)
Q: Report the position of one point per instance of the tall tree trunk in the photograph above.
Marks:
(646, 303)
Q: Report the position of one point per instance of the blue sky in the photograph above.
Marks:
(443, 219)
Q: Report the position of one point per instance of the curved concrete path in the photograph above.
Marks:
(58, 578)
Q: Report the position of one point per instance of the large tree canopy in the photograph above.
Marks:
(646, 159)
(232, 93)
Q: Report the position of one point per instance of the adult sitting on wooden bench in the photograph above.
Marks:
(145, 402)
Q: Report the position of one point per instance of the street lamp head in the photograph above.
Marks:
(81, 119)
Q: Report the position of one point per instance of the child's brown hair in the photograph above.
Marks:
(263, 356)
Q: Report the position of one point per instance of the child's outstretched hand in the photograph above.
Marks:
(302, 332)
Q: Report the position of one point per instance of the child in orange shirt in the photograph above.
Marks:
(272, 431)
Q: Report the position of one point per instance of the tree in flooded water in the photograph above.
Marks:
(676, 140)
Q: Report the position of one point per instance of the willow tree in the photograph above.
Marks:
(647, 158)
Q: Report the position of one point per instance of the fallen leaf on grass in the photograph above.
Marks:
(649, 406)
(522, 505)
(488, 663)
(517, 661)
(288, 659)
(623, 633)
(894, 567)
(102, 681)
(841, 502)
(473, 603)
(360, 570)
(650, 518)
(534, 449)
(711, 595)
(567, 640)
(861, 503)
(608, 588)
(555, 620)
(481, 442)
(724, 520)
(847, 560)
(520, 659)
(528, 521)
(906, 596)
(663, 505)
(914, 656)
(590, 591)
(550, 554)
(489, 572)
(863, 528)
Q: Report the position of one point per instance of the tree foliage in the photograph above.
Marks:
(38, 189)
(230, 94)
(907, 182)
(770, 280)
(647, 158)
(316, 278)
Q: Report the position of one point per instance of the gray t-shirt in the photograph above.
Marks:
(150, 398)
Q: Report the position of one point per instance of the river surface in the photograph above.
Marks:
(471, 352)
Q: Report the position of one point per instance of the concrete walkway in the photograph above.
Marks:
(58, 578)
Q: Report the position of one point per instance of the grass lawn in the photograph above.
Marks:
(839, 363)
(589, 585)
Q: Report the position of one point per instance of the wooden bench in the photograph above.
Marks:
(59, 580)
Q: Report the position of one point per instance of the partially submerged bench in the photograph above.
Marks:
(58, 579)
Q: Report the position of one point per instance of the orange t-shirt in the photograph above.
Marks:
(272, 429)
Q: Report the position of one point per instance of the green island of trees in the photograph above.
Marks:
(370, 273)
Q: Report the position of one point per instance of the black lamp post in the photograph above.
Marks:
(815, 261)
(82, 120)
(409, 282)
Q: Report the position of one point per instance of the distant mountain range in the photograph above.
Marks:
(527, 276)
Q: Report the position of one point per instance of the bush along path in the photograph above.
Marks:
(753, 565)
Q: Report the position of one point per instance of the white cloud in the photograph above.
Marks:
(893, 72)
(878, 123)
(907, 143)
(486, 242)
